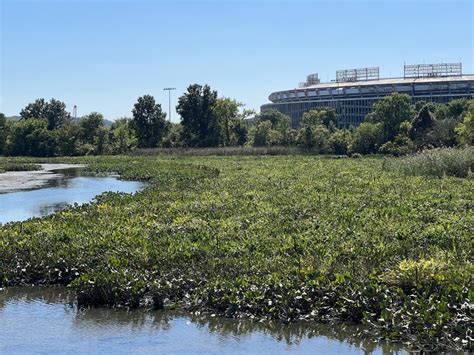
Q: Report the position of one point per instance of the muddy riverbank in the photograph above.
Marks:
(11, 181)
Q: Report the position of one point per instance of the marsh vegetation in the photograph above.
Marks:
(282, 237)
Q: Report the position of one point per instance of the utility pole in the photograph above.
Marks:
(169, 101)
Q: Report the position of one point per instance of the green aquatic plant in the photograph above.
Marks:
(282, 237)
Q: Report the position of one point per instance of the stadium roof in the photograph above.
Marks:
(386, 81)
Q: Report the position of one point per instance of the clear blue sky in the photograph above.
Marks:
(103, 55)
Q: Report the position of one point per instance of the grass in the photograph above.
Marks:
(9, 164)
(283, 237)
(220, 151)
(437, 162)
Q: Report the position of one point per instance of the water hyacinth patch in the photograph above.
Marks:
(281, 237)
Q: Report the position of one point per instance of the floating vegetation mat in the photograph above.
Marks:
(284, 238)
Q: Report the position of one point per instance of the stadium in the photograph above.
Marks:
(354, 91)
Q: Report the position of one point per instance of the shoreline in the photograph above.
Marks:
(13, 181)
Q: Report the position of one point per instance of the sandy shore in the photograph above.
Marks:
(27, 180)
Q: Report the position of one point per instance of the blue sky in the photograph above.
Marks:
(103, 55)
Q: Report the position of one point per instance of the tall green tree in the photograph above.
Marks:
(260, 134)
(390, 112)
(325, 116)
(366, 138)
(200, 126)
(90, 126)
(315, 131)
(465, 129)
(36, 109)
(226, 110)
(149, 122)
(238, 131)
(31, 137)
(401, 144)
(174, 136)
(457, 108)
(231, 116)
(322, 136)
(283, 133)
(444, 134)
(56, 114)
(271, 127)
(306, 139)
(69, 139)
(122, 136)
(432, 106)
(272, 115)
(421, 127)
(53, 111)
(94, 134)
(340, 141)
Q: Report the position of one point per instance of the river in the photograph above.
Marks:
(39, 193)
(46, 320)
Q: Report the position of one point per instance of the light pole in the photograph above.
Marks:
(169, 101)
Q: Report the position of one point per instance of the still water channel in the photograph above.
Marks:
(47, 321)
(66, 187)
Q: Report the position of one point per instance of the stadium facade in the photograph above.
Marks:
(354, 91)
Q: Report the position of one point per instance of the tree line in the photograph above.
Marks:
(395, 126)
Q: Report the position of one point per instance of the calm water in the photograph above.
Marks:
(45, 320)
(73, 186)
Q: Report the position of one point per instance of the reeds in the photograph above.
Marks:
(440, 162)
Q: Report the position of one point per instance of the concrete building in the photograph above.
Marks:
(354, 91)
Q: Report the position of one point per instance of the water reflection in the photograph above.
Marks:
(165, 331)
(70, 186)
(46, 209)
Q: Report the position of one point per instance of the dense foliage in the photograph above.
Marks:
(149, 122)
(54, 112)
(294, 237)
(395, 126)
(198, 117)
(87, 136)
